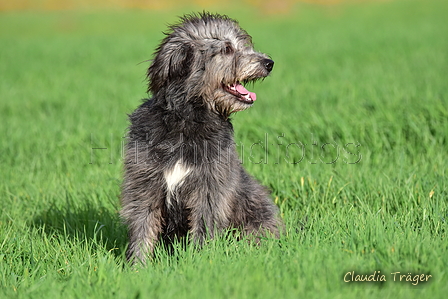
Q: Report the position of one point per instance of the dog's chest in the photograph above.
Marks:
(174, 178)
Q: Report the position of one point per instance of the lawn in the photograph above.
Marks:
(350, 132)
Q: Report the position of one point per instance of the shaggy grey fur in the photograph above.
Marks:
(182, 172)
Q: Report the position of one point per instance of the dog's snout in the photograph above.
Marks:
(268, 64)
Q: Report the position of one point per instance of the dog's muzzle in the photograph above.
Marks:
(240, 92)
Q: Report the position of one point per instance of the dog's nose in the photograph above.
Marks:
(268, 64)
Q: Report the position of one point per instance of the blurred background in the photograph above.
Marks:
(267, 6)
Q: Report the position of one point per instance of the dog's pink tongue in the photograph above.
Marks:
(242, 90)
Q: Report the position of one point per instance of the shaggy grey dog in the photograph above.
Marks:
(182, 172)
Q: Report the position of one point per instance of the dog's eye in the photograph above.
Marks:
(228, 49)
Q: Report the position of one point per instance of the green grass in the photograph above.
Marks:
(366, 79)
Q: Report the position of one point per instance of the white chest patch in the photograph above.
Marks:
(174, 177)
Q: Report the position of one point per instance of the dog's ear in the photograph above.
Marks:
(172, 63)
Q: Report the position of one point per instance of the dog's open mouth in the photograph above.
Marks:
(241, 93)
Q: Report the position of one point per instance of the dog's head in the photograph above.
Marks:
(206, 59)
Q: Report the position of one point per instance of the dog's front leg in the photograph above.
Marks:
(144, 231)
(208, 215)
(201, 226)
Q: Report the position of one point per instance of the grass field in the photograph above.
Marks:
(350, 132)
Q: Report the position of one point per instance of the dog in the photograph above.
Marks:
(182, 174)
